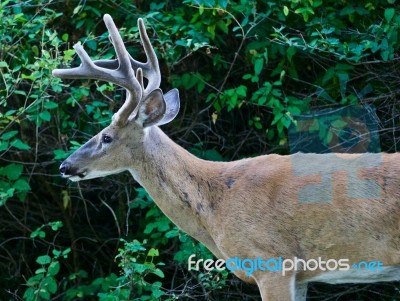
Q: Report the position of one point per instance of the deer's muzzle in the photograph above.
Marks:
(69, 171)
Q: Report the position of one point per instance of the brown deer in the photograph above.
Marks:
(331, 218)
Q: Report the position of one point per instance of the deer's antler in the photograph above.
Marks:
(120, 71)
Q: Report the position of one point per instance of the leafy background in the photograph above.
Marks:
(245, 70)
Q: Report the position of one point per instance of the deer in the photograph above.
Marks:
(336, 209)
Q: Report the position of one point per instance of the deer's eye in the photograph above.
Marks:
(106, 139)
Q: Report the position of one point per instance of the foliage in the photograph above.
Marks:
(247, 71)
(44, 284)
(135, 271)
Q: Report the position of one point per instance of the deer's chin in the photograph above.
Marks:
(75, 178)
(89, 174)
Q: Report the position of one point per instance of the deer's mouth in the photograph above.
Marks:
(71, 173)
(82, 174)
(77, 176)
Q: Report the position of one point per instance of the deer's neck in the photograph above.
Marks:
(179, 183)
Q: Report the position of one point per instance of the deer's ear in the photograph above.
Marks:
(158, 109)
(172, 103)
(151, 109)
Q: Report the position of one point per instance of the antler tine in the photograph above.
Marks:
(151, 69)
(123, 75)
(135, 93)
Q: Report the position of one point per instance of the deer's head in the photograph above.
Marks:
(109, 151)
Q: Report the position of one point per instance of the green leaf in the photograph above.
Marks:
(29, 294)
(54, 268)
(31, 77)
(172, 233)
(66, 252)
(258, 65)
(294, 110)
(20, 92)
(285, 10)
(5, 194)
(59, 154)
(8, 135)
(329, 74)
(223, 3)
(56, 225)
(12, 171)
(384, 44)
(385, 55)
(389, 13)
(76, 9)
(38, 233)
(159, 273)
(211, 30)
(44, 294)
(343, 80)
(17, 143)
(153, 252)
(241, 91)
(45, 259)
(65, 37)
(92, 44)
(290, 52)
(262, 100)
(21, 185)
(50, 284)
(3, 184)
(68, 54)
(3, 145)
(305, 11)
(140, 268)
(286, 121)
(339, 123)
(10, 112)
(200, 86)
(328, 138)
(277, 118)
(45, 115)
(3, 64)
(50, 105)
(35, 280)
(282, 75)
(40, 271)
(267, 88)
(35, 50)
(56, 253)
(223, 26)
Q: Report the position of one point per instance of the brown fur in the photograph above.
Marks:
(250, 208)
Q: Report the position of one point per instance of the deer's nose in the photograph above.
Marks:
(65, 168)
